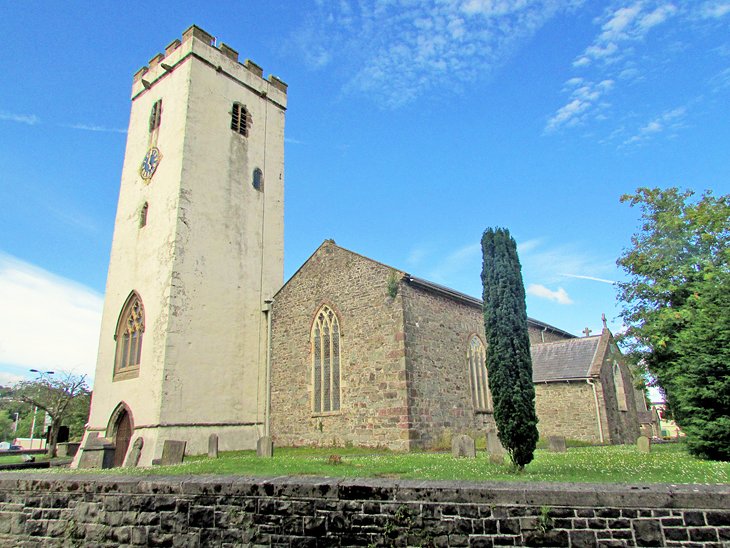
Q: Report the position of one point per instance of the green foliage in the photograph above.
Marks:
(6, 426)
(392, 284)
(675, 306)
(55, 396)
(508, 347)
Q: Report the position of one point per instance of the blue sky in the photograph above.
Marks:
(412, 126)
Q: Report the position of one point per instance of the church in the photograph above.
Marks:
(200, 335)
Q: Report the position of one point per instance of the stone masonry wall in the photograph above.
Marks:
(372, 356)
(567, 409)
(46, 510)
(623, 426)
(438, 331)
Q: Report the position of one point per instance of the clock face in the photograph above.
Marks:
(149, 163)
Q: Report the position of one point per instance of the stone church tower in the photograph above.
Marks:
(197, 252)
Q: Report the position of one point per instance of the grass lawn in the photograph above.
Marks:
(668, 463)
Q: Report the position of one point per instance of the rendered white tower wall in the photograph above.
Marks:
(209, 256)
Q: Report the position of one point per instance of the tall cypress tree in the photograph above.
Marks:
(508, 346)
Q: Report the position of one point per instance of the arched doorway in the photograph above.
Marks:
(122, 429)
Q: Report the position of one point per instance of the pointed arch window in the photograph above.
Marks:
(325, 361)
(240, 119)
(618, 384)
(130, 329)
(476, 358)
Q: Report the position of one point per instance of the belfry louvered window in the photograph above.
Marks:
(326, 361)
(129, 338)
(476, 357)
(240, 119)
(156, 115)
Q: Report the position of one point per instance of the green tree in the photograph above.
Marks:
(676, 306)
(6, 426)
(55, 396)
(508, 347)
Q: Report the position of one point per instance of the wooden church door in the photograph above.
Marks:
(121, 440)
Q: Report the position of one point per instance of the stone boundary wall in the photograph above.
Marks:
(93, 510)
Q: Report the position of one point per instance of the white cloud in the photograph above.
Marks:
(715, 9)
(456, 262)
(560, 296)
(585, 102)
(401, 50)
(48, 322)
(30, 119)
(592, 278)
(88, 127)
(669, 120)
(546, 264)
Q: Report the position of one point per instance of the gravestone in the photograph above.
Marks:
(173, 452)
(463, 446)
(67, 449)
(97, 452)
(135, 453)
(264, 447)
(643, 444)
(494, 448)
(213, 446)
(556, 444)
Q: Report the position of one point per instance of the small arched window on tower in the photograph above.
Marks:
(143, 215)
(618, 383)
(326, 361)
(156, 115)
(476, 359)
(130, 329)
(240, 119)
(258, 180)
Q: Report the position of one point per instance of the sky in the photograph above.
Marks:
(412, 126)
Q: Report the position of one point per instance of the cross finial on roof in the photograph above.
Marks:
(603, 318)
(587, 331)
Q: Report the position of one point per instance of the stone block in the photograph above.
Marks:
(264, 447)
(135, 453)
(67, 449)
(97, 452)
(643, 444)
(213, 446)
(463, 446)
(494, 446)
(173, 452)
(556, 444)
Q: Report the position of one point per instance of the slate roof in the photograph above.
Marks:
(570, 359)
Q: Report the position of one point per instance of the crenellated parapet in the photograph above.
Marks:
(195, 41)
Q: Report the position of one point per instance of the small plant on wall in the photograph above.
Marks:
(392, 284)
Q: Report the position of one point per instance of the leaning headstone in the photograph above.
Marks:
(173, 452)
(556, 444)
(643, 444)
(135, 453)
(495, 449)
(463, 446)
(264, 447)
(213, 446)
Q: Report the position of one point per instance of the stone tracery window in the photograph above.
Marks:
(476, 358)
(130, 329)
(326, 361)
